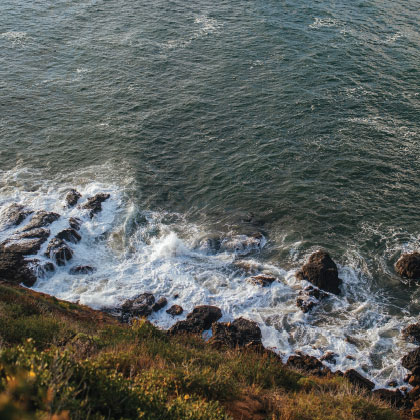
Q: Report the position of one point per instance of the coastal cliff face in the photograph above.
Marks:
(66, 361)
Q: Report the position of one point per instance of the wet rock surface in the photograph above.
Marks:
(59, 251)
(175, 310)
(200, 319)
(82, 269)
(239, 333)
(408, 266)
(412, 333)
(321, 271)
(307, 364)
(309, 297)
(140, 306)
(72, 197)
(75, 223)
(14, 215)
(14, 268)
(41, 219)
(69, 235)
(262, 280)
(358, 380)
(159, 304)
(94, 204)
(329, 357)
(26, 243)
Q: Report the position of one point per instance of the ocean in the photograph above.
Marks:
(215, 121)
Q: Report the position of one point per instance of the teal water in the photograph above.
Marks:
(305, 114)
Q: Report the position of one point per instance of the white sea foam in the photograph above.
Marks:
(323, 23)
(135, 250)
(15, 37)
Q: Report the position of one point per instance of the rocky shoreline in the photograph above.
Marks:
(19, 263)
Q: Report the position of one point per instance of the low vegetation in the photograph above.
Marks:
(64, 361)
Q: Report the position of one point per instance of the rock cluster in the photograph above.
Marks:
(200, 319)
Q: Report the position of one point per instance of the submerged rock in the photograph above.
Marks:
(309, 297)
(200, 319)
(59, 251)
(358, 380)
(82, 269)
(263, 280)
(72, 197)
(308, 364)
(14, 215)
(94, 204)
(321, 271)
(175, 310)
(161, 303)
(408, 266)
(241, 332)
(69, 235)
(40, 219)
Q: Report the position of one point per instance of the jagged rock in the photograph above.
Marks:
(26, 243)
(261, 280)
(59, 251)
(408, 266)
(14, 214)
(161, 303)
(308, 364)
(321, 271)
(200, 319)
(395, 397)
(175, 310)
(40, 268)
(75, 223)
(72, 197)
(358, 380)
(412, 333)
(14, 268)
(241, 332)
(69, 235)
(140, 306)
(308, 298)
(411, 360)
(40, 219)
(94, 204)
(329, 357)
(82, 269)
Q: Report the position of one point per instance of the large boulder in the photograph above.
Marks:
(175, 310)
(239, 333)
(15, 269)
(26, 243)
(308, 364)
(140, 306)
(59, 251)
(72, 197)
(408, 266)
(40, 219)
(14, 215)
(358, 380)
(94, 204)
(411, 360)
(200, 319)
(321, 271)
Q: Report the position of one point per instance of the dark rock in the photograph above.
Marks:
(239, 333)
(349, 357)
(411, 360)
(408, 266)
(308, 364)
(261, 280)
(14, 215)
(15, 269)
(321, 271)
(175, 310)
(393, 383)
(358, 380)
(59, 251)
(329, 357)
(72, 197)
(75, 223)
(414, 393)
(395, 398)
(139, 306)
(414, 380)
(40, 219)
(26, 243)
(200, 319)
(82, 269)
(161, 303)
(94, 204)
(40, 268)
(412, 333)
(69, 235)
(308, 298)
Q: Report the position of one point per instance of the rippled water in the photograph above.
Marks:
(195, 116)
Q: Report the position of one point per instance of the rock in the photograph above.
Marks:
(329, 357)
(72, 197)
(94, 204)
(358, 380)
(82, 269)
(69, 235)
(161, 303)
(40, 268)
(308, 298)
(261, 280)
(321, 271)
(15, 269)
(239, 333)
(139, 306)
(59, 251)
(242, 244)
(200, 319)
(393, 383)
(412, 333)
(210, 245)
(414, 393)
(75, 223)
(395, 398)
(40, 219)
(414, 380)
(26, 243)
(308, 364)
(175, 310)
(411, 360)
(14, 215)
(349, 357)
(408, 266)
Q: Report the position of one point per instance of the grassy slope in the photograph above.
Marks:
(64, 361)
